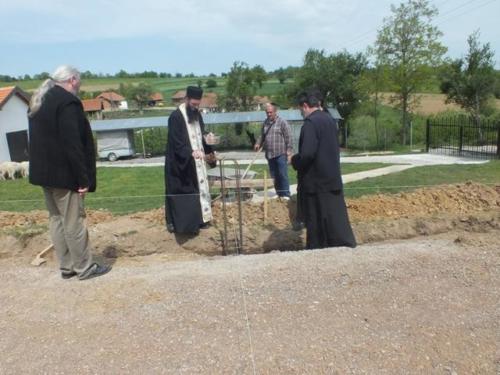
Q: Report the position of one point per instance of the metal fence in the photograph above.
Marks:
(464, 136)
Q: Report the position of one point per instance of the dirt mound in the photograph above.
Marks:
(470, 206)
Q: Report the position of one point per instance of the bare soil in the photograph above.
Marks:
(419, 296)
(374, 218)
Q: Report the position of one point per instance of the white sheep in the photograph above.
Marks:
(24, 168)
(9, 169)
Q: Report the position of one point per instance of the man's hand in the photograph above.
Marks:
(256, 147)
(289, 155)
(210, 158)
(82, 191)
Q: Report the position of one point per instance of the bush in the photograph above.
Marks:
(211, 83)
(364, 135)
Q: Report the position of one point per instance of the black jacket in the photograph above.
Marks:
(62, 153)
(318, 161)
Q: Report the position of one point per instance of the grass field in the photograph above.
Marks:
(125, 190)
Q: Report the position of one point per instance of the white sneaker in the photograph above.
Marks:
(285, 198)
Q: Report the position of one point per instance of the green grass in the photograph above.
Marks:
(411, 179)
(125, 190)
(119, 190)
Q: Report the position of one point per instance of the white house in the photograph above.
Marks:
(13, 124)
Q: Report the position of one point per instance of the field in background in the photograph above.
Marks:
(431, 104)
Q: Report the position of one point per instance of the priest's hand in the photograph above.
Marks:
(198, 154)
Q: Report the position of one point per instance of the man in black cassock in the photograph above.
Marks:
(319, 179)
(187, 204)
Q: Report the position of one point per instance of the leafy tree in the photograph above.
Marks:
(336, 76)
(122, 74)
(281, 75)
(408, 44)
(211, 83)
(139, 94)
(373, 81)
(470, 81)
(42, 76)
(259, 75)
(241, 87)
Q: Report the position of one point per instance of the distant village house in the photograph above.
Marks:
(14, 104)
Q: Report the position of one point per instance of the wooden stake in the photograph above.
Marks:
(265, 197)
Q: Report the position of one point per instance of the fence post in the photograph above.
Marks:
(461, 140)
(427, 135)
(498, 140)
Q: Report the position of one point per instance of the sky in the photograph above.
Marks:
(208, 36)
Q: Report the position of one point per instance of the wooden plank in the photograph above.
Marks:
(246, 183)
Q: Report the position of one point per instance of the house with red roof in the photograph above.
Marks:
(112, 100)
(208, 100)
(14, 104)
(93, 108)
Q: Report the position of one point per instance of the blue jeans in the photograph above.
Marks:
(279, 172)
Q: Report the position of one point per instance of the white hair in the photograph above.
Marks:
(62, 74)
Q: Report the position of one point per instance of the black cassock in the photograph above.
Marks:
(321, 199)
(182, 204)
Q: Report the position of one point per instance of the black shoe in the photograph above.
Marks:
(298, 226)
(205, 225)
(170, 228)
(68, 274)
(94, 270)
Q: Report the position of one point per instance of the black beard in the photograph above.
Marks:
(193, 114)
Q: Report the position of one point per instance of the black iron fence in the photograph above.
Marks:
(464, 136)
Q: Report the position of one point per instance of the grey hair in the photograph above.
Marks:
(62, 74)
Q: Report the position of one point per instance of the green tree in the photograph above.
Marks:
(240, 88)
(211, 83)
(373, 81)
(336, 76)
(259, 75)
(139, 94)
(281, 75)
(408, 44)
(470, 81)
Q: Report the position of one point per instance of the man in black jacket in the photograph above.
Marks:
(319, 179)
(62, 161)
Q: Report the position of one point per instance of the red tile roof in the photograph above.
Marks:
(261, 99)
(179, 94)
(157, 96)
(7, 92)
(209, 100)
(111, 96)
(92, 105)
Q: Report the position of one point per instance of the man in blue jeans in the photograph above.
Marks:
(276, 141)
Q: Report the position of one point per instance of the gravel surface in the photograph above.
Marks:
(429, 305)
